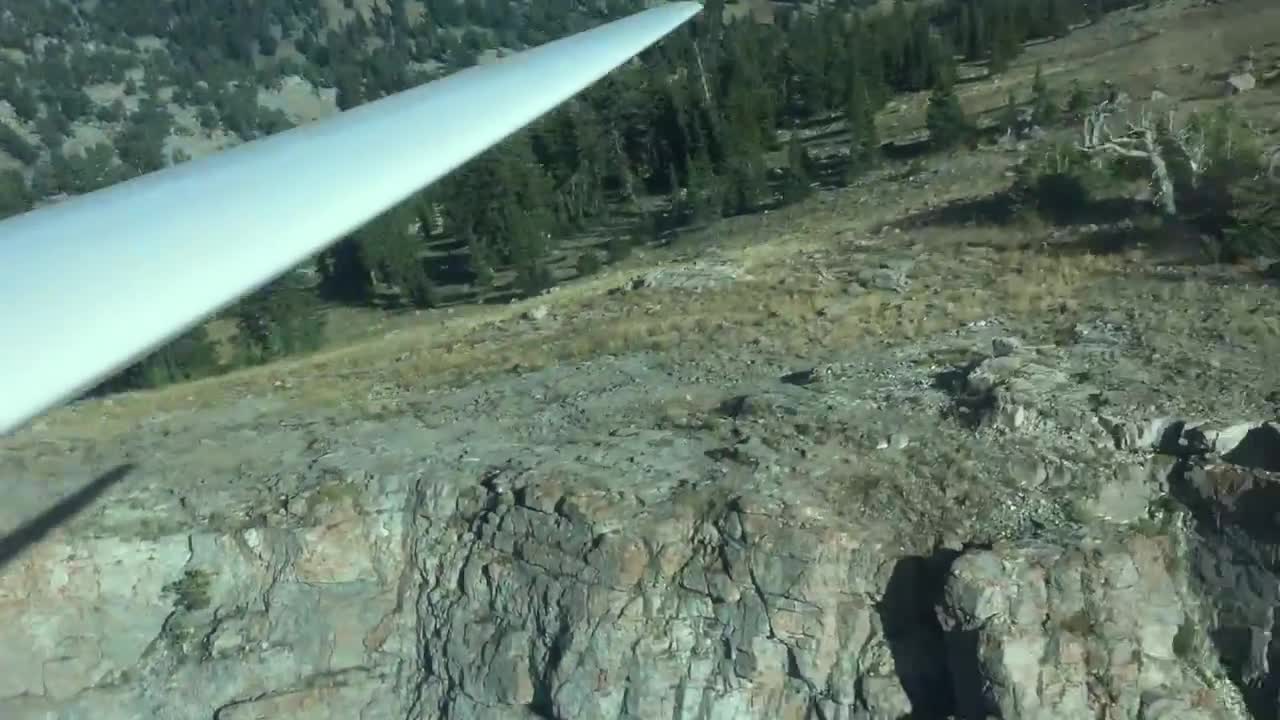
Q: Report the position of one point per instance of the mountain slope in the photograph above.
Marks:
(915, 444)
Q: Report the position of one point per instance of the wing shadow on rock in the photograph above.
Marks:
(31, 532)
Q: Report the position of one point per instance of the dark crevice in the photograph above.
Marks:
(793, 672)
(1234, 565)
(967, 681)
(916, 638)
(543, 703)
(968, 407)
(1170, 440)
(1259, 449)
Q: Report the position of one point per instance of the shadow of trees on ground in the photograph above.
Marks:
(1093, 225)
(1007, 207)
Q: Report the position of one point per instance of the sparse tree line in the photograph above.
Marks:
(694, 124)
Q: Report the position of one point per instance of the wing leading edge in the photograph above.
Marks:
(96, 282)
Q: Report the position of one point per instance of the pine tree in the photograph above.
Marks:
(1093, 8)
(482, 261)
(962, 31)
(188, 357)
(1078, 100)
(744, 184)
(1044, 108)
(805, 63)
(141, 143)
(864, 140)
(1006, 43)
(1253, 227)
(703, 190)
(1010, 115)
(743, 125)
(922, 56)
(799, 172)
(17, 146)
(388, 246)
(280, 319)
(343, 272)
(1057, 23)
(867, 60)
(15, 197)
(527, 218)
(975, 37)
(945, 117)
(580, 160)
(350, 88)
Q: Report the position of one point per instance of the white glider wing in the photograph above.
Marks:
(94, 283)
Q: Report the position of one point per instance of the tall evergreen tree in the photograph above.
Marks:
(864, 140)
(945, 117)
(188, 357)
(280, 319)
(975, 36)
(345, 276)
(1044, 105)
(799, 172)
(15, 196)
(1077, 100)
(1006, 41)
(703, 190)
(393, 251)
(1011, 114)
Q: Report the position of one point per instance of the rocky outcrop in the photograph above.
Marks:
(754, 608)
(286, 610)
(1231, 481)
(1103, 627)
(635, 539)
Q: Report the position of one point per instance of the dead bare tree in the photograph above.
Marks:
(1193, 144)
(1142, 140)
(702, 74)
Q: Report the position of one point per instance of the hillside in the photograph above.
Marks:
(965, 425)
(98, 92)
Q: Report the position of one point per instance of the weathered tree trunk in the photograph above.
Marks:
(628, 182)
(1160, 172)
(702, 74)
(1140, 142)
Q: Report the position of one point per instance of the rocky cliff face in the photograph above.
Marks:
(965, 527)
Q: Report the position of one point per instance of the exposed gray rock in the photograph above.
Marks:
(631, 538)
(1241, 83)
(1271, 270)
(1018, 393)
(1235, 559)
(1141, 434)
(1125, 497)
(695, 276)
(1006, 346)
(890, 275)
(1038, 630)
